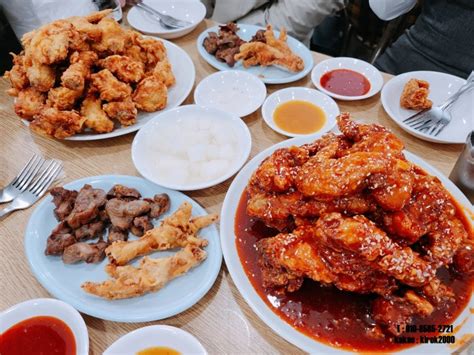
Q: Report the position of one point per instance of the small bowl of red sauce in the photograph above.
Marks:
(347, 78)
(43, 326)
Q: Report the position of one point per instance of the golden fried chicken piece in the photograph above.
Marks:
(75, 76)
(41, 76)
(273, 52)
(125, 68)
(123, 111)
(63, 98)
(109, 87)
(17, 75)
(151, 94)
(177, 230)
(87, 25)
(96, 118)
(150, 276)
(113, 40)
(154, 49)
(415, 95)
(56, 123)
(29, 103)
(89, 58)
(164, 72)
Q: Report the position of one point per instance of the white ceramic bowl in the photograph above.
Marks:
(143, 156)
(52, 308)
(368, 70)
(237, 92)
(187, 10)
(328, 105)
(156, 335)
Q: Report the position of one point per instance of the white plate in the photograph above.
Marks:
(442, 86)
(64, 281)
(270, 74)
(51, 308)
(328, 105)
(186, 10)
(233, 91)
(368, 70)
(184, 72)
(246, 289)
(156, 335)
(143, 154)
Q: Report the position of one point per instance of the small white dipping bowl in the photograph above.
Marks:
(233, 91)
(147, 150)
(156, 335)
(48, 307)
(186, 10)
(372, 74)
(313, 96)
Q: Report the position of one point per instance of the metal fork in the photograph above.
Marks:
(434, 120)
(167, 20)
(36, 189)
(22, 180)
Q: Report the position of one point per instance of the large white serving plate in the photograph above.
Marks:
(184, 72)
(270, 74)
(64, 281)
(442, 86)
(265, 313)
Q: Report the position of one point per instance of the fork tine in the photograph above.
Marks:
(47, 182)
(31, 174)
(443, 125)
(25, 169)
(40, 176)
(434, 128)
(421, 125)
(420, 113)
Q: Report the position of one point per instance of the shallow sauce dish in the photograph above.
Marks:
(48, 307)
(371, 73)
(328, 105)
(149, 154)
(237, 92)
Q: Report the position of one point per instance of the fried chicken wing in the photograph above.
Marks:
(29, 103)
(109, 87)
(58, 124)
(123, 111)
(151, 94)
(125, 68)
(151, 274)
(415, 95)
(96, 118)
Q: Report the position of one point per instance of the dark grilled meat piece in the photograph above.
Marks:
(140, 225)
(159, 205)
(122, 213)
(86, 208)
(259, 37)
(60, 238)
(123, 192)
(116, 234)
(210, 43)
(89, 231)
(90, 253)
(63, 201)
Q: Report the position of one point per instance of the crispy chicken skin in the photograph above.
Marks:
(29, 103)
(123, 111)
(17, 75)
(96, 118)
(151, 94)
(109, 87)
(164, 72)
(63, 98)
(58, 124)
(125, 68)
(415, 95)
(114, 39)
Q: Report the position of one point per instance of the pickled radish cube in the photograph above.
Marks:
(213, 151)
(197, 152)
(214, 168)
(226, 152)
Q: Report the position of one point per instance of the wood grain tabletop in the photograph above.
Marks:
(222, 320)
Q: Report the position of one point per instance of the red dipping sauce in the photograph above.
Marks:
(41, 335)
(345, 82)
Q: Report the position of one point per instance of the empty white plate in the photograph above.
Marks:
(156, 336)
(371, 73)
(186, 10)
(313, 96)
(442, 86)
(237, 92)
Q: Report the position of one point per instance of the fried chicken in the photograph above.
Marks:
(109, 87)
(155, 51)
(41, 76)
(125, 68)
(58, 124)
(123, 111)
(29, 103)
(76, 75)
(96, 118)
(114, 39)
(415, 95)
(164, 72)
(17, 75)
(62, 98)
(151, 94)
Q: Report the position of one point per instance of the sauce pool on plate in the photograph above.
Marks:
(38, 335)
(345, 82)
(299, 117)
(158, 350)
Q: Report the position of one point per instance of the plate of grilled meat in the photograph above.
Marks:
(122, 248)
(348, 242)
(273, 56)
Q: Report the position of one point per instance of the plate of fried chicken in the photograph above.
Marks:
(345, 241)
(87, 78)
(121, 248)
(273, 56)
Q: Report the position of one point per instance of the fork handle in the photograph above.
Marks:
(465, 87)
(7, 210)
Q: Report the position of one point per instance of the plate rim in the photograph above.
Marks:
(406, 128)
(250, 295)
(105, 315)
(216, 65)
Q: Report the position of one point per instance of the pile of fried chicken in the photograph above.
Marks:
(86, 214)
(354, 213)
(263, 49)
(87, 74)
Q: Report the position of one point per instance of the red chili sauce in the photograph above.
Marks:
(38, 335)
(325, 313)
(345, 82)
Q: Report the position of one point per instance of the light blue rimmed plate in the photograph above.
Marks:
(64, 281)
(270, 74)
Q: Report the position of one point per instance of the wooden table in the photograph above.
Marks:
(222, 321)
